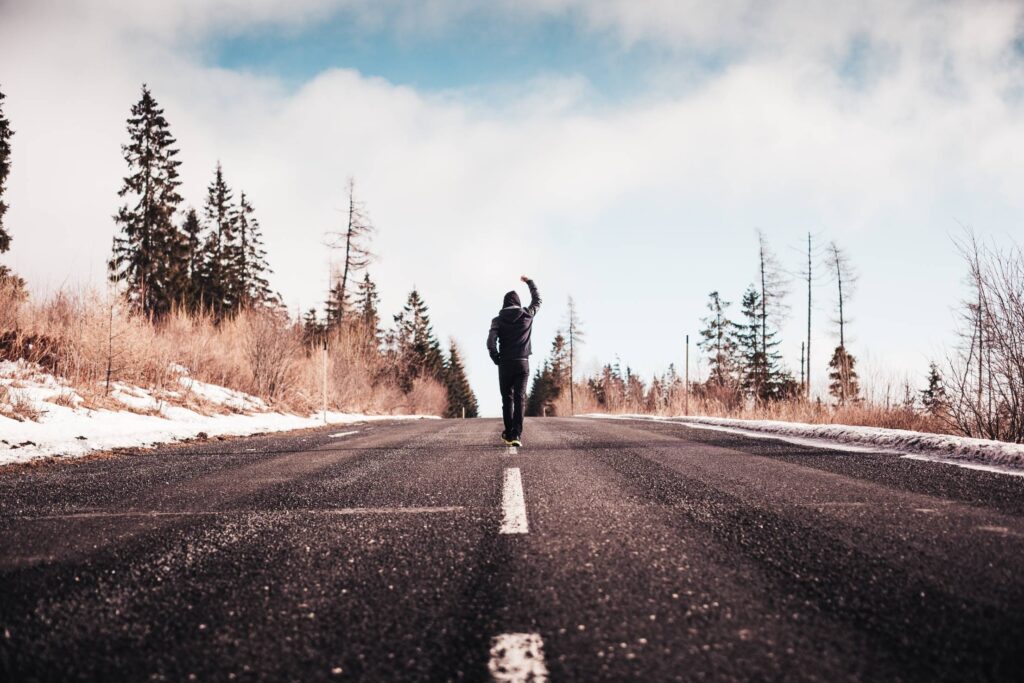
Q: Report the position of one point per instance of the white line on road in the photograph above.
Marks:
(518, 658)
(341, 434)
(513, 505)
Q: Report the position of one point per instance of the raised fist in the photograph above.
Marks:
(524, 278)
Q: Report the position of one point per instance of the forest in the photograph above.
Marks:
(193, 287)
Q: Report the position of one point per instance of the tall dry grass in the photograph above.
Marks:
(865, 413)
(91, 339)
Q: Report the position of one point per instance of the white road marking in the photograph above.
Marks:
(518, 658)
(341, 434)
(511, 450)
(513, 505)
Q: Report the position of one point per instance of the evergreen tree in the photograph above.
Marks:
(367, 302)
(254, 290)
(718, 342)
(312, 329)
(934, 396)
(419, 353)
(8, 280)
(192, 240)
(220, 277)
(842, 375)
(145, 254)
(540, 400)
(757, 346)
(460, 394)
(336, 305)
(551, 380)
(5, 169)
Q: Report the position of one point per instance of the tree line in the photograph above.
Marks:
(166, 259)
(743, 365)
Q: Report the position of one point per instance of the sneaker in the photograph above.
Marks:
(505, 440)
(516, 442)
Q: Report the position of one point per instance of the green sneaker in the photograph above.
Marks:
(505, 440)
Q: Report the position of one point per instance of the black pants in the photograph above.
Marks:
(513, 376)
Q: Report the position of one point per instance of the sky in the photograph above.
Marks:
(624, 152)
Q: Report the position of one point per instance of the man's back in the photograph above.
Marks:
(509, 337)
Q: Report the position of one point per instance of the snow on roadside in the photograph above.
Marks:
(997, 456)
(67, 429)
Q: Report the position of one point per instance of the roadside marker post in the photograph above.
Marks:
(686, 382)
(324, 354)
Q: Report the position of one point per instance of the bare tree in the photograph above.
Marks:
(844, 377)
(813, 253)
(353, 241)
(774, 287)
(985, 381)
(575, 336)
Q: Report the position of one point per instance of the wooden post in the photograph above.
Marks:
(324, 354)
(686, 384)
(463, 412)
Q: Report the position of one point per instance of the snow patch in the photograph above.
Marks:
(54, 423)
(981, 454)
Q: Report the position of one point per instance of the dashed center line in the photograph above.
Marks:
(513, 504)
(341, 434)
(518, 658)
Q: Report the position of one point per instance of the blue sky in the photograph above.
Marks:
(622, 152)
(477, 51)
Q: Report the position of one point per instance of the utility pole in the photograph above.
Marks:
(686, 384)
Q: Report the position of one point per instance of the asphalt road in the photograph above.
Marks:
(603, 550)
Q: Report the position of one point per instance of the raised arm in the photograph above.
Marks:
(492, 341)
(534, 296)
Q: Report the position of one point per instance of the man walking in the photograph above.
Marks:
(508, 342)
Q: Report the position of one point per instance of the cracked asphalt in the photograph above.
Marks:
(655, 552)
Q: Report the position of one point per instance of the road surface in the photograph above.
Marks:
(603, 550)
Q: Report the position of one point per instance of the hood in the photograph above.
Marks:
(511, 299)
(510, 315)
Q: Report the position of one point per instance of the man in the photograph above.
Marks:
(509, 345)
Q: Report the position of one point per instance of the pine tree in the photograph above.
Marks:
(352, 242)
(540, 400)
(145, 253)
(335, 305)
(251, 266)
(312, 329)
(718, 342)
(367, 302)
(192, 241)
(220, 278)
(550, 380)
(5, 169)
(934, 396)
(460, 394)
(842, 375)
(8, 280)
(419, 353)
(762, 378)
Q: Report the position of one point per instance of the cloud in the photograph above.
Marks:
(639, 207)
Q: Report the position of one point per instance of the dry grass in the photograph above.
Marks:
(16, 405)
(863, 414)
(88, 339)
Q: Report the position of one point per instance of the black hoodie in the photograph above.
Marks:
(509, 337)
